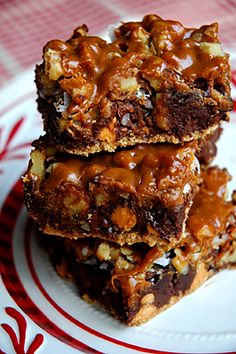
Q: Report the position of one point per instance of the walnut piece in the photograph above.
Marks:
(124, 218)
(53, 65)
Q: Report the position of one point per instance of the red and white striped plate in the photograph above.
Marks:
(40, 312)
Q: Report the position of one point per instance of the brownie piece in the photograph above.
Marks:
(136, 194)
(157, 81)
(136, 282)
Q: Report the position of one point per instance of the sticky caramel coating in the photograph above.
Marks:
(210, 235)
(154, 276)
(138, 192)
(210, 211)
(157, 81)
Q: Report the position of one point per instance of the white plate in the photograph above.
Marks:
(45, 312)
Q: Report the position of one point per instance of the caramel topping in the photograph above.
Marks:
(124, 218)
(210, 211)
(209, 217)
(161, 171)
(162, 52)
(138, 270)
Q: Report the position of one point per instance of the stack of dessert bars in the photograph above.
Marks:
(120, 185)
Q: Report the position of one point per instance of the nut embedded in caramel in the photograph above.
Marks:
(156, 81)
(124, 218)
(128, 196)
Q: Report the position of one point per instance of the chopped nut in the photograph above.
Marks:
(106, 135)
(121, 263)
(126, 251)
(204, 232)
(181, 266)
(106, 107)
(164, 36)
(129, 84)
(75, 205)
(114, 253)
(100, 199)
(103, 252)
(80, 90)
(124, 218)
(37, 168)
(53, 65)
(142, 35)
(113, 55)
(213, 49)
(148, 299)
(180, 263)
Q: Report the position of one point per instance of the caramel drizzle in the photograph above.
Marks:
(154, 253)
(209, 211)
(147, 170)
(146, 50)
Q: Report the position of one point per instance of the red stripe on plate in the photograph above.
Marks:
(70, 318)
(15, 288)
(18, 293)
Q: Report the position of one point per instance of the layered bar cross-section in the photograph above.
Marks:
(135, 282)
(157, 81)
(139, 194)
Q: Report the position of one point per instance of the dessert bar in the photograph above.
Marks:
(120, 185)
(136, 282)
(139, 194)
(157, 81)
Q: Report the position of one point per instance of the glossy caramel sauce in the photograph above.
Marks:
(161, 52)
(154, 171)
(209, 217)
(210, 211)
